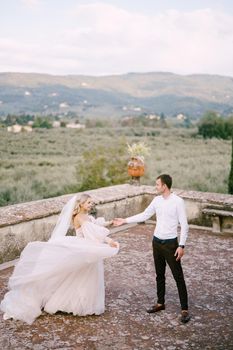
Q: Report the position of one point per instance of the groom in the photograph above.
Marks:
(169, 210)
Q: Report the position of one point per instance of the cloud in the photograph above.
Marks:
(106, 39)
(30, 3)
(198, 41)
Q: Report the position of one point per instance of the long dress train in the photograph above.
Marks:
(63, 274)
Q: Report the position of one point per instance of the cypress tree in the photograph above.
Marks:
(230, 182)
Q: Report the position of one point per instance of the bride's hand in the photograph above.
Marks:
(109, 223)
(114, 244)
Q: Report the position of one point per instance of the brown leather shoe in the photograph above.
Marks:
(185, 317)
(155, 308)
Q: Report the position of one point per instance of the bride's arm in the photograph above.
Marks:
(101, 221)
(111, 242)
(108, 223)
(92, 232)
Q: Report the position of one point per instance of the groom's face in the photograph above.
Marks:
(159, 186)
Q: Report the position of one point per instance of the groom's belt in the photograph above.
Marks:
(164, 241)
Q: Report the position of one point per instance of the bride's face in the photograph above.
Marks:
(86, 206)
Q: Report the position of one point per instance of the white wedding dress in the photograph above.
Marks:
(63, 274)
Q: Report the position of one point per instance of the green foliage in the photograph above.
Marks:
(145, 120)
(63, 124)
(230, 181)
(12, 119)
(5, 197)
(187, 123)
(229, 125)
(47, 162)
(212, 125)
(101, 167)
(99, 123)
(139, 149)
(42, 123)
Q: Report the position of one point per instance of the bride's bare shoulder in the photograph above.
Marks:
(79, 220)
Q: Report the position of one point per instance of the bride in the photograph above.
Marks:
(66, 273)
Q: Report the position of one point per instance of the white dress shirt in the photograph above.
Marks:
(169, 212)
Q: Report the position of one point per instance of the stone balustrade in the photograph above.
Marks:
(22, 223)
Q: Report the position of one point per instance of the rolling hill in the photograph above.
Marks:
(115, 95)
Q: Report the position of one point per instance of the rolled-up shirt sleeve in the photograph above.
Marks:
(183, 222)
(145, 215)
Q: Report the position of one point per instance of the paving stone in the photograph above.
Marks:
(130, 289)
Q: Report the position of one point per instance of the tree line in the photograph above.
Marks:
(212, 125)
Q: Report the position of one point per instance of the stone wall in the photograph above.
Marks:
(33, 221)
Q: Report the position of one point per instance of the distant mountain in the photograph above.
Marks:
(115, 95)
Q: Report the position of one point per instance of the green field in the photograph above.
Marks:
(45, 163)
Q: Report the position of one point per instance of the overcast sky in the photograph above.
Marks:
(114, 37)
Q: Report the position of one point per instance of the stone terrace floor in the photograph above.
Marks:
(130, 289)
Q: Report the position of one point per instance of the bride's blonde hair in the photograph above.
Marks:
(84, 197)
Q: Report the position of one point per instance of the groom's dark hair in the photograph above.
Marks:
(165, 179)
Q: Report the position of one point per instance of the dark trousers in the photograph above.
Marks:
(163, 251)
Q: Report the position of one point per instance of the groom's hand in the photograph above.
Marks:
(119, 222)
(179, 253)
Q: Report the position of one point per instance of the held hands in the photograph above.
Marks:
(108, 223)
(179, 253)
(119, 222)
